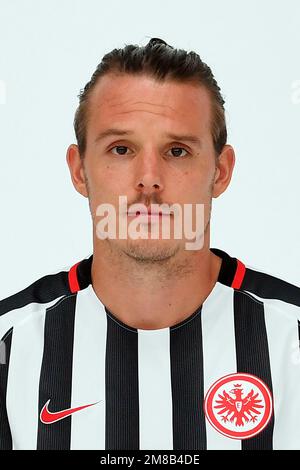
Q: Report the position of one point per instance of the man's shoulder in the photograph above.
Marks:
(44, 291)
(236, 273)
(41, 291)
(272, 290)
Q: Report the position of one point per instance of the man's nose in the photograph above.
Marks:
(149, 178)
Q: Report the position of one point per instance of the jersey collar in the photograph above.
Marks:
(232, 272)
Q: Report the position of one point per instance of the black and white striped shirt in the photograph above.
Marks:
(228, 377)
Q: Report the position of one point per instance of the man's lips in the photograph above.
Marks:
(136, 213)
(148, 214)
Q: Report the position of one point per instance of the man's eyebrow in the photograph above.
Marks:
(193, 139)
(111, 132)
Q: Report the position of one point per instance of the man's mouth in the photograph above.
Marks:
(149, 215)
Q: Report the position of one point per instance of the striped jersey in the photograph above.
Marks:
(73, 376)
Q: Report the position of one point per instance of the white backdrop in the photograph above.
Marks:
(48, 51)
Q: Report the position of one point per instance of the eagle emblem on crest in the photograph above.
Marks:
(238, 409)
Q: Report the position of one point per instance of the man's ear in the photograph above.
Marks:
(76, 167)
(224, 170)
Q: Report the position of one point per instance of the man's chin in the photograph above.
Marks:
(150, 250)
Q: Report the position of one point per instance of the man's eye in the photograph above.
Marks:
(176, 152)
(121, 149)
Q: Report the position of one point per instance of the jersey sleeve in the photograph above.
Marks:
(5, 433)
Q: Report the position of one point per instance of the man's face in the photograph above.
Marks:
(147, 165)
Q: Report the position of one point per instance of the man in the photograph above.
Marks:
(147, 344)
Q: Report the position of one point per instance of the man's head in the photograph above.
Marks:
(159, 95)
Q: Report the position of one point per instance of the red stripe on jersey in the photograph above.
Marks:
(239, 275)
(73, 280)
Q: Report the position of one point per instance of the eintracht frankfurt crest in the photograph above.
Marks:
(238, 405)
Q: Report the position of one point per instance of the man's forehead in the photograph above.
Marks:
(126, 96)
(132, 90)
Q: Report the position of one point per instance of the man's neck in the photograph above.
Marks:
(145, 297)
